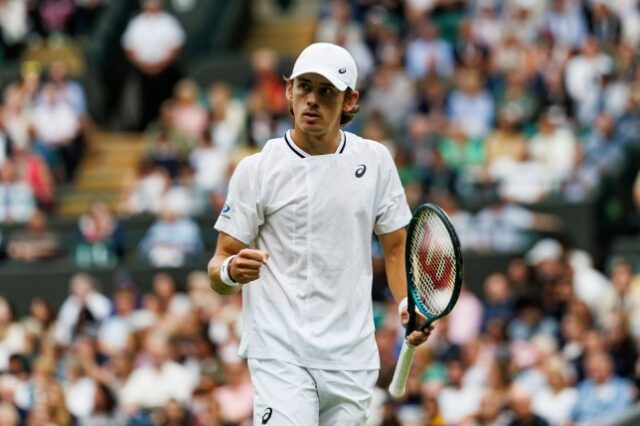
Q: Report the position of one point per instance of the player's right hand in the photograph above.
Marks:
(245, 267)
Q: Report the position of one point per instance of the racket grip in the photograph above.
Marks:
(401, 373)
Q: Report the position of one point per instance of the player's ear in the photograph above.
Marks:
(350, 99)
(289, 90)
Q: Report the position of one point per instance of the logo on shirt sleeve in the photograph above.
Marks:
(225, 210)
(361, 170)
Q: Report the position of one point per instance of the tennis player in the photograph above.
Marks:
(295, 236)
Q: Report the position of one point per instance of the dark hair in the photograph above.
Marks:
(345, 117)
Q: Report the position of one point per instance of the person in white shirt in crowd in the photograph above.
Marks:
(457, 400)
(555, 146)
(307, 313)
(583, 75)
(58, 132)
(228, 116)
(14, 27)
(556, 401)
(154, 383)
(152, 42)
(79, 389)
(83, 295)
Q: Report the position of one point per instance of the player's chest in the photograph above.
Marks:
(329, 187)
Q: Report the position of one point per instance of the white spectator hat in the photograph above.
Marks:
(330, 61)
(546, 249)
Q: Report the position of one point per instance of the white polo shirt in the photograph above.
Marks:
(314, 215)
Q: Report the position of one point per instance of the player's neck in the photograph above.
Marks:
(321, 144)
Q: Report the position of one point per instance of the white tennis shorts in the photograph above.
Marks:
(290, 395)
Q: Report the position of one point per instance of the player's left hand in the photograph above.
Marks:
(416, 337)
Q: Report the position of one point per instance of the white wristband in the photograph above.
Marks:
(403, 304)
(224, 273)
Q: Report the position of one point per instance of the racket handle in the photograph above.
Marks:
(401, 374)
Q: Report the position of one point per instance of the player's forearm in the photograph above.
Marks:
(214, 276)
(394, 265)
(393, 246)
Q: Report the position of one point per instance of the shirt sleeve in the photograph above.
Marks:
(393, 210)
(242, 215)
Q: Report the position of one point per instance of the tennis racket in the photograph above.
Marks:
(434, 278)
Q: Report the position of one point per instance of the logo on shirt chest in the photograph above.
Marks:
(267, 415)
(361, 170)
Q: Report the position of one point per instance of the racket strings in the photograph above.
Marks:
(433, 267)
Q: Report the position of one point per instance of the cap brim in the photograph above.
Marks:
(337, 83)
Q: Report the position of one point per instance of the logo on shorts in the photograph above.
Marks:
(267, 415)
(361, 170)
(342, 70)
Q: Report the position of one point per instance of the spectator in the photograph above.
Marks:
(429, 54)
(228, 116)
(152, 41)
(211, 164)
(35, 243)
(268, 107)
(566, 22)
(187, 115)
(15, 119)
(31, 168)
(470, 105)
(56, 15)
(583, 75)
(101, 238)
(555, 146)
(530, 321)
(171, 240)
(521, 407)
(144, 194)
(593, 404)
(79, 390)
(17, 202)
(14, 28)
(457, 401)
(105, 412)
(84, 306)
(556, 401)
(504, 226)
(498, 301)
(390, 93)
(153, 384)
(57, 127)
(339, 23)
(621, 295)
(235, 398)
(13, 339)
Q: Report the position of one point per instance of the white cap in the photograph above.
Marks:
(330, 61)
(543, 250)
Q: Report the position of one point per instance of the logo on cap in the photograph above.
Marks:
(342, 70)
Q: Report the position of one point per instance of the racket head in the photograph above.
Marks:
(434, 265)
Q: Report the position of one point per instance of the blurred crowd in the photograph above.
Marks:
(27, 23)
(488, 107)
